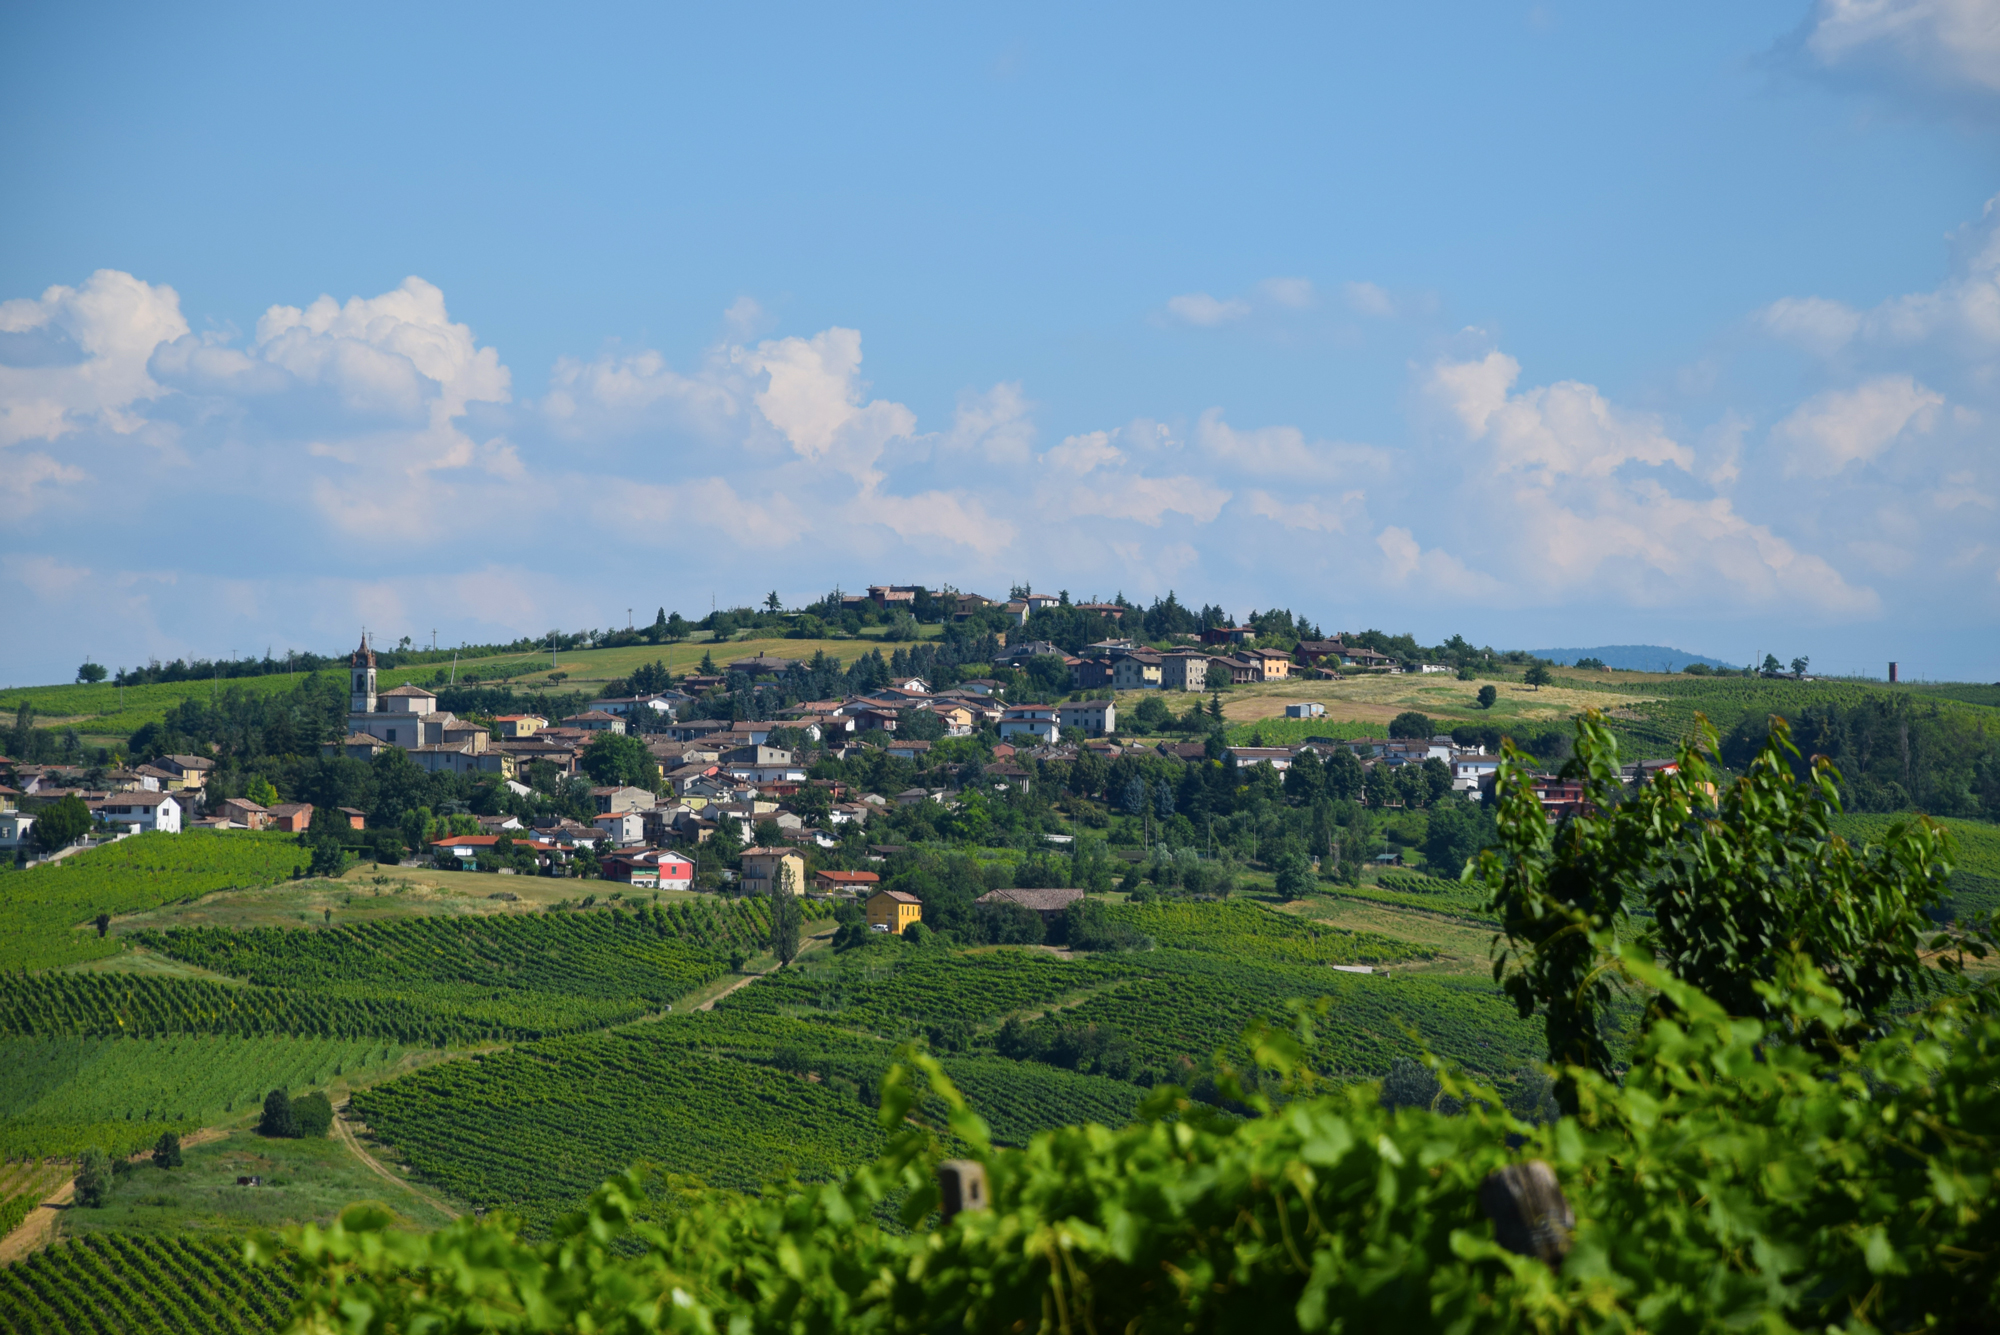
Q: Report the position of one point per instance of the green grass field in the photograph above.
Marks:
(62, 1095)
(120, 711)
(305, 1182)
(110, 712)
(44, 910)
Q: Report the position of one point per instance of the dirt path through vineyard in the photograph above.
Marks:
(345, 1134)
(810, 943)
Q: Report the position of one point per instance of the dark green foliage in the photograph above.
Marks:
(785, 914)
(1295, 876)
(1487, 695)
(1410, 1084)
(1457, 829)
(1008, 924)
(616, 758)
(1533, 1098)
(278, 1119)
(90, 672)
(1412, 724)
(1894, 752)
(167, 1151)
(93, 1179)
(1742, 880)
(328, 857)
(61, 823)
(312, 1114)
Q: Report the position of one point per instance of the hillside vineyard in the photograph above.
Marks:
(665, 984)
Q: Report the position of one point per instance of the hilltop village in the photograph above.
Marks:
(1032, 721)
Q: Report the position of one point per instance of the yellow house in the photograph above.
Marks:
(892, 910)
(520, 725)
(761, 868)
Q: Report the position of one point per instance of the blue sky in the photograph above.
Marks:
(1540, 324)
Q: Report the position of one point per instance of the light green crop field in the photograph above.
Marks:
(1371, 702)
(44, 910)
(304, 1181)
(107, 713)
(1977, 844)
(119, 711)
(368, 893)
(64, 1094)
(588, 667)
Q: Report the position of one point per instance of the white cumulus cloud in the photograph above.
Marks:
(76, 356)
(1941, 43)
(1201, 309)
(1559, 517)
(1840, 427)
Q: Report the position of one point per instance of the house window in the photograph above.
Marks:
(392, 734)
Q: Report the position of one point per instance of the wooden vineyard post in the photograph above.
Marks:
(961, 1186)
(1531, 1216)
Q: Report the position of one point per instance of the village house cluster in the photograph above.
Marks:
(717, 774)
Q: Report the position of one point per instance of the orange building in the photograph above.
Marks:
(893, 910)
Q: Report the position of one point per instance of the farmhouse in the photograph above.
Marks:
(1048, 903)
(144, 811)
(762, 868)
(1094, 717)
(848, 881)
(893, 910)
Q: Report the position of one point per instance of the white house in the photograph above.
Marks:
(1038, 721)
(16, 827)
(1305, 709)
(623, 827)
(1469, 770)
(141, 811)
(1277, 757)
(1095, 717)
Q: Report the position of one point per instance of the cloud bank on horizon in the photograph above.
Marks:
(369, 459)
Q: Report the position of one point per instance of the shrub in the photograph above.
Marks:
(278, 1119)
(312, 1115)
(93, 1179)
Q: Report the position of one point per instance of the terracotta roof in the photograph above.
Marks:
(851, 877)
(410, 692)
(899, 896)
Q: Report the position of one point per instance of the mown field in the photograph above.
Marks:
(1363, 706)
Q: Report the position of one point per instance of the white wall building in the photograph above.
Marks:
(141, 811)
(1038, 721)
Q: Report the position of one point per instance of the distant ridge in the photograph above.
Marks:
(1631, 657)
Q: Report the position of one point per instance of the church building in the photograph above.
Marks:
(407, 717)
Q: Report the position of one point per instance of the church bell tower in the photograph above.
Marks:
(362, 668)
